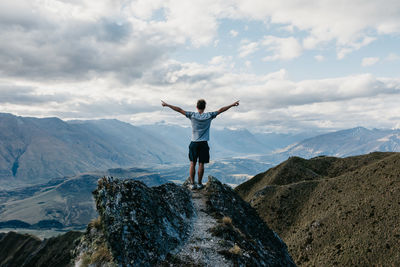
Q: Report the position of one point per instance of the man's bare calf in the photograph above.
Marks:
(200, 172)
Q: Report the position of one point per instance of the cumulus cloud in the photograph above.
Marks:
(52, 42)
(44, 40)
(275, 101)
(281, 48)
(247, 48)
(332, 21)
(28, 95)
(268, 102)
(85, 39)
(369, 61)
(343, 50)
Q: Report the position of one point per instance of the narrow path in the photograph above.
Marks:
(202, 248)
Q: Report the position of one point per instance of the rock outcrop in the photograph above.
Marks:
(142, 224)
(169, 225)
(243, 229)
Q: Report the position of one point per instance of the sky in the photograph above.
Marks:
(294, 65)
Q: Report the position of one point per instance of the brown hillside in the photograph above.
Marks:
(333, 211)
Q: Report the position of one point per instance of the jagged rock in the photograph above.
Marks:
(255, 244)
(141, 224)
(169, 225)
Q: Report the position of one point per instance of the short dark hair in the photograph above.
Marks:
(201, 104)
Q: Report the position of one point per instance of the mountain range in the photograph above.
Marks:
(35, 150)
(343, 143)
(350, 142)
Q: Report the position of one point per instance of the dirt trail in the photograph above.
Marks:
(202, 248)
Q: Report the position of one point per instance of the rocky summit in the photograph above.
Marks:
(169, 225)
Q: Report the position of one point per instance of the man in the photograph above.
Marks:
(198, 148)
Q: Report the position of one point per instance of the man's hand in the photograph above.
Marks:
(235, 104)
(164, 104)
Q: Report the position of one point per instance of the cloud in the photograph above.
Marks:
(86, 39)
(51, 42)
(233, 33)
(268, 102)
(42, 40)
(319, 58)
(369, 61)
(281, 48)
(331, 21)
(392, 57)
(217, 60)
(279, 103)
(90, 59)
(28, 95)
(275, 100)
(342, 50)
(247, 48)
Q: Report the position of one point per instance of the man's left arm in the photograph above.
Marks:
(223, 109)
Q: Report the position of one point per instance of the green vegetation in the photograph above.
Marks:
(333, 211)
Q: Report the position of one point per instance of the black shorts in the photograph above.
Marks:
(199, 150)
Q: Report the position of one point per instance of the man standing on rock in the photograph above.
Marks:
(198, 148)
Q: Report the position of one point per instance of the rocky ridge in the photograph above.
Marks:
(333, 211)
(166, 225)
(169, 225)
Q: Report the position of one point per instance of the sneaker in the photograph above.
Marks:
(192, 186)
(200, 186)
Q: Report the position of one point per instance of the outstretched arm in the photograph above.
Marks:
(177, 109)
(223, 109)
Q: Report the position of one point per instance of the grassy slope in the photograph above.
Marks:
(332, 211)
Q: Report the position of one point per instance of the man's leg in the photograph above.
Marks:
(200, 172)
(192, 171)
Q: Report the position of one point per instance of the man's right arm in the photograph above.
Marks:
(177, 109)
